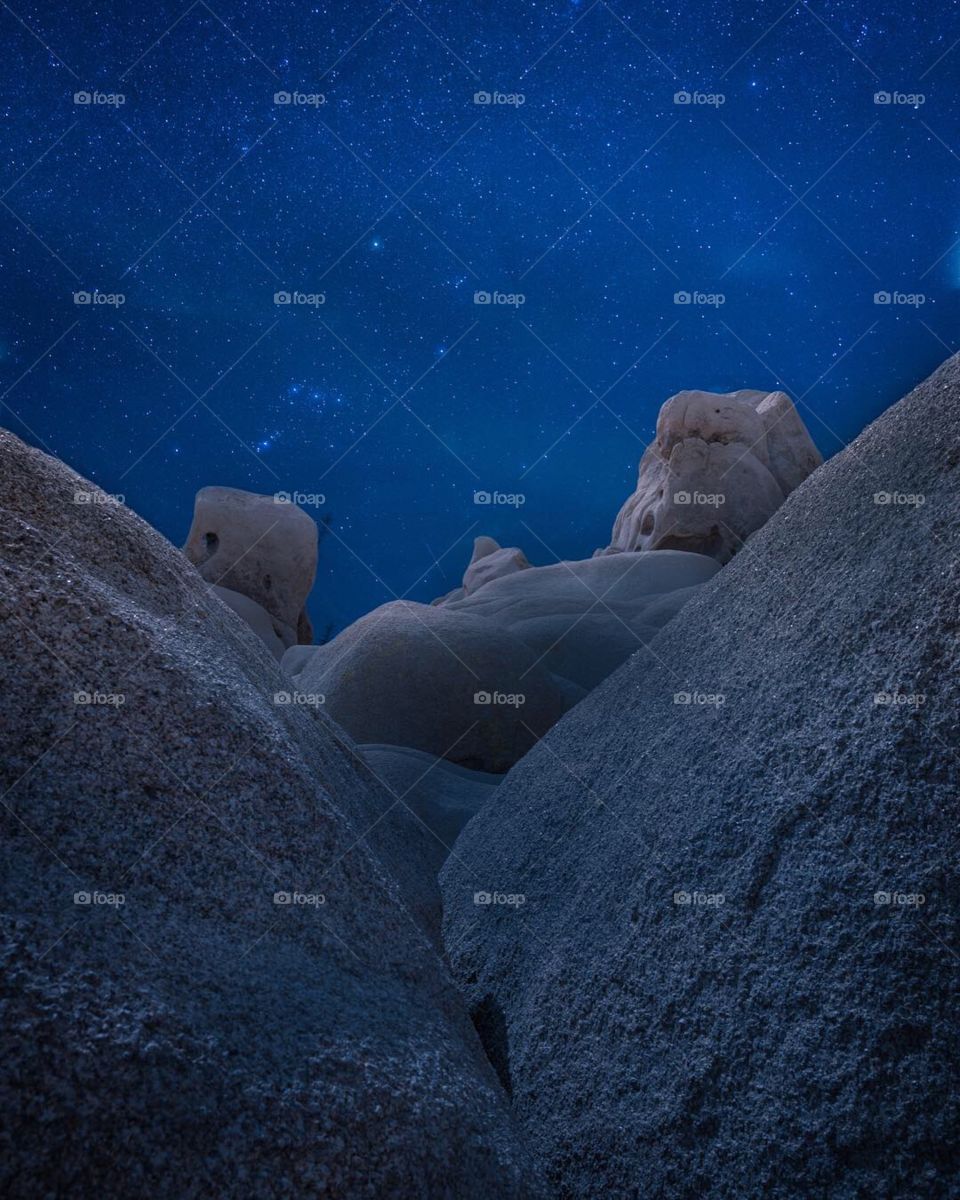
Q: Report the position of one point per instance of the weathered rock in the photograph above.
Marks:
(491, 561)
(261, 547)
(416, 675)
(583, 619)
(735, 970)
(720, 465)
(201, 1038)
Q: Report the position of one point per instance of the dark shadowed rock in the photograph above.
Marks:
(734, 972)
(212, 984)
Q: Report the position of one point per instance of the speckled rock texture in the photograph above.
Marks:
(212, 984)
(735, 971)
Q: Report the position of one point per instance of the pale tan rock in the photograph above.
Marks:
(260, 547)
(720, 466)
(492, 561)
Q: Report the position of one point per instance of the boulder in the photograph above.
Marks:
(583, 619)
(491, 561)
(720, 465)
(259, 620)
(213, 983)
(453, 685)
(263, 547)
(723, 961)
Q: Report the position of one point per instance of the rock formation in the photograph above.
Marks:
(212, 980)
(734, 971)
(263, 547)
(455, 686)
(719, 466)
(583, 619)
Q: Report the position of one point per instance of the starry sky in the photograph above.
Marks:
(389, 189)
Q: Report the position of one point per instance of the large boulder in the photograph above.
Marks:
(263, 547)
(213, 983)
(719, 467)
(453, 685)
(734, 969)
(583, 619)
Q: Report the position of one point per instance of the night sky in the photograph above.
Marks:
(398, 197)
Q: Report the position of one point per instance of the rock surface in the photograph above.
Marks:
(719, 466)
(735, 972)
(259, 620)
(414, 675)
(583, 619)
(263, 548)
(492, 561)
(201, 1038)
